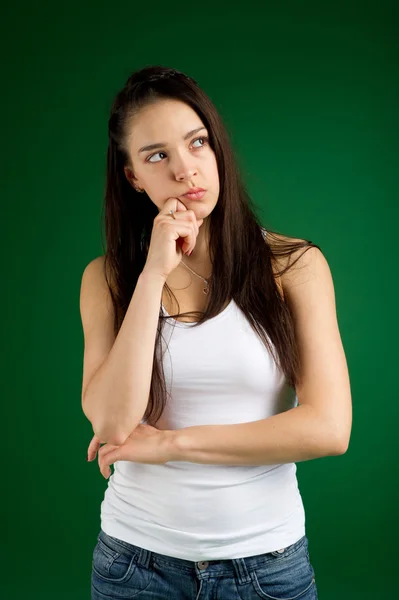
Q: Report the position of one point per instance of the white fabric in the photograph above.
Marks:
(217, 373)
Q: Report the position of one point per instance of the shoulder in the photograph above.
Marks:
(294, 261)
(94, 271)
(95, 284)
(95, 295)
(98, 271)
(307, 284)
(96, 264)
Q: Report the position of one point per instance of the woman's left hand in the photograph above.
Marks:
(146, 444)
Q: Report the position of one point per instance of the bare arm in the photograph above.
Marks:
(117, 372)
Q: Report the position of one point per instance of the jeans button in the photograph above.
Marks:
(281, 551)
(202, 564)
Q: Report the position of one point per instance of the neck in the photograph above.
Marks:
(200, 254)
(200, 264)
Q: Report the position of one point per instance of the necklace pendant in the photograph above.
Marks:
(205, 290)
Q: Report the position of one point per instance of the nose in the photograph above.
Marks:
(184, 169)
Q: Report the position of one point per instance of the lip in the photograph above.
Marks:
(194, 190)
(195, 194)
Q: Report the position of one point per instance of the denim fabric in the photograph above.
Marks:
(123, 571)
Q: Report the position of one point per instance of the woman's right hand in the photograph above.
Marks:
(166, 250)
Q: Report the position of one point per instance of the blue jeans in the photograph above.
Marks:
(122, 570)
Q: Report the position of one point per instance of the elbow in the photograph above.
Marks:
(108, 436)
(112, 433)
(115, 439)
(336, 436)
(343, 437)
(111, 429)
(109, 433)
(338, 445)
(106, 433)
(341, 448)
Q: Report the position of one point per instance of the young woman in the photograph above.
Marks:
(212, 364)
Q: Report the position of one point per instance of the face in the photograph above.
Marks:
(179, 163)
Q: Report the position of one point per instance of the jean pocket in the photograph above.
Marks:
(110, 565)
(285, 574)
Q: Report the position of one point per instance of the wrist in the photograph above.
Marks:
(172, 445)
(147, 275)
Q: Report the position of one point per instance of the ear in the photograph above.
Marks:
(130, 177)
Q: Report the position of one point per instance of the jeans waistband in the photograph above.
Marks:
(239, 567)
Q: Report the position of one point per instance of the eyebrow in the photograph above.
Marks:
(163, 144)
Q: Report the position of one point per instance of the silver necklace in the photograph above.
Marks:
(205, 289)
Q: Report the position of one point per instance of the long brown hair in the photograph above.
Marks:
(242, 261)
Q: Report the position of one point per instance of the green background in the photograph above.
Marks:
(309, 93)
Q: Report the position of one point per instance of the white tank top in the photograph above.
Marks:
(216, 373)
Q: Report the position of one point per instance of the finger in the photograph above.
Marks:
(93, 448)
(180, 211)
(104, 450)
(102, 459)
(107, 459)
(183, 233)
(187, 230)
(172, 204)
(180, 206)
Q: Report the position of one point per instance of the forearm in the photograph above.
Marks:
(117, 396)
(296, 435)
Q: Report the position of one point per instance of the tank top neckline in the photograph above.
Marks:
(228, 308)
(211, 320)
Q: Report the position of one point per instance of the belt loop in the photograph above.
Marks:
(241, 570)
(144, 557)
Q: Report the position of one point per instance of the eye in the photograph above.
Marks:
(203, 137)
